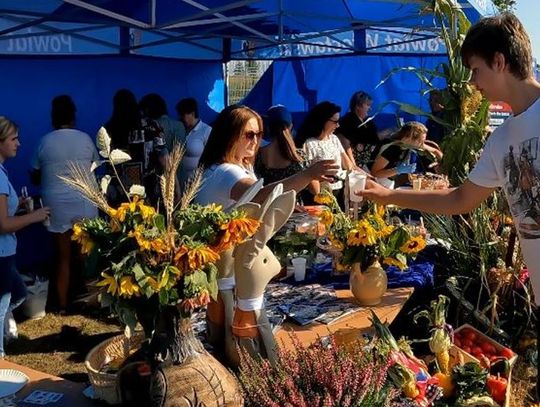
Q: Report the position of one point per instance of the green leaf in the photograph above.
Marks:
(159, 222)
(107, 300)
(401, 257)
(138, 272)
(163, 297)
(212, 281)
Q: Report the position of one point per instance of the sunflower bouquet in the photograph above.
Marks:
(155, 260)
(368, 239)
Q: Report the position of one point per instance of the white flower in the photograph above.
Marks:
(103, 142)
(137, 190)
(105, 181)
(119, 157)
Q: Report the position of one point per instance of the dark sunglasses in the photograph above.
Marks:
(334, 121)
(252, 135)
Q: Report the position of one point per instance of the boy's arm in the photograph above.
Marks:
(451, 201)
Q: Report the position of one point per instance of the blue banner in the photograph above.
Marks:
(403, 41)
(307, 44)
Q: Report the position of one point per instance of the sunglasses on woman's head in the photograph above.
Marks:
(252, 135)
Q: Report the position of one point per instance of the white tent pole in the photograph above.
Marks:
(153, 13)
(217, 20)
(240, 25)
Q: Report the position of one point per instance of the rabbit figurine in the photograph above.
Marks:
(219, 314)
(254, 267)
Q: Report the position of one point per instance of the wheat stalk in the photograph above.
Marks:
(167, 181)
(192, 188)
(81, 179)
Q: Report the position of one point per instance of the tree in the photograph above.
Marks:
(505, 5)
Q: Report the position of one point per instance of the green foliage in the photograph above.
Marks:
(505, 5)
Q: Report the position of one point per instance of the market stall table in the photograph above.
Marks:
(350, 325)
(72, 392)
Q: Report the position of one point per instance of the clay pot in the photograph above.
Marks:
(368, 286)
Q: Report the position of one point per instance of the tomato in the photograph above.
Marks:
(466, 349)
(488, 348)
(476, 350)
(457, 342)
(507, 353)
(497, 388)
(467, 342)
(469, 334)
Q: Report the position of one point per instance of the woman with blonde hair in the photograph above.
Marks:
(229, 155)
(409, 153)
(12, 288)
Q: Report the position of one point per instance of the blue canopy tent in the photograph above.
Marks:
(91, 48)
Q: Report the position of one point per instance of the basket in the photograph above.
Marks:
(104, 384)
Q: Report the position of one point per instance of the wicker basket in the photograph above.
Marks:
(104, 384)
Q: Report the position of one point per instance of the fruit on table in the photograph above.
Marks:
(479, 346)
(497, 388)
(446, 383)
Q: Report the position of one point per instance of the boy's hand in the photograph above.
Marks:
(375, 192)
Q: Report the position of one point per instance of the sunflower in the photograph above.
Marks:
(180, 257)
(159, 246)
(338, 244)
(413, 245)
(323, 199)
(363, 235)
(147, 212)
(236, 231)
(394, 262)
(202, 299)
(80, 236)
(128, 287)
(200, 255)
(137, 233)
(109, 282)
(326, 218)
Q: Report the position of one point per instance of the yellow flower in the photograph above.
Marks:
(236, 231)
(151, 281)
(326, 218)
(109, 282)
(364, 234)
(394, 262)
(159, 246)
(214, 208)
(81, 237)
(128, 287)
(137, 233)
(336, 242)
(180, 257)
(386, 231)
(199, 256)
(380, 210)
(147, 212)
(200, 300)
(413, 245)
(323, 199)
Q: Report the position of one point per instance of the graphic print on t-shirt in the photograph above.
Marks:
(522, 185)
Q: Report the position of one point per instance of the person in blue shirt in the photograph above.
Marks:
(12, 288)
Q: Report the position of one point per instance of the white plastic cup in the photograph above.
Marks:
(386, 182)
(417, 184)
(357, 182)
(299, 264)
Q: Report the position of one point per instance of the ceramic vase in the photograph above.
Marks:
(368, 286)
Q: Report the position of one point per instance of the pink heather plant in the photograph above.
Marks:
(317, 376)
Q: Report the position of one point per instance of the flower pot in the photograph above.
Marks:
(184, 373)
(368, 286)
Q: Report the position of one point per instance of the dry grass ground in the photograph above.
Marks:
(58, 344)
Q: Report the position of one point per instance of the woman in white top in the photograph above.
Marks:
(229, 155)
(56, 150)
(316, 136)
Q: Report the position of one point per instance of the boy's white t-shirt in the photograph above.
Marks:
(511, 160)
(218, 181)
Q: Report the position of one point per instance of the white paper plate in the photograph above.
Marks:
(11, 381)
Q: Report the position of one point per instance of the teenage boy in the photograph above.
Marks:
(498, 52)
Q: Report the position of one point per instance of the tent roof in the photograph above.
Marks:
(201, 25)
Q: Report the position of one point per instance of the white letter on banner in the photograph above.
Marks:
(371, 40)
(55, 44)
(21, 44)
(433, 44)
(10, 45)
(41, 43)
(389, 41)
(66, 40)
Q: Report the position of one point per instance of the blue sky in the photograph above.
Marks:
(528, 11)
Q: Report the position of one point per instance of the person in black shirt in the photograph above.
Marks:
(357, 134)
(435, 130)
(408, 153)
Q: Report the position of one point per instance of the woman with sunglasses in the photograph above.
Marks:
(229, 155)
(316, 136)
